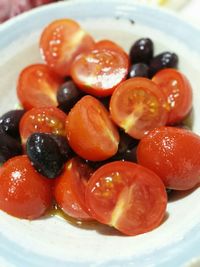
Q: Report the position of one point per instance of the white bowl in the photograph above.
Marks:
(53, 241)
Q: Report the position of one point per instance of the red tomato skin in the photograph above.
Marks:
(174, 155)
(69, 189)
(90, 131)
(127, 196)
(107, 44)
(131, 100)
(178, 91)
(24, 192)
(42, 120)
(60, 43)
(99, 71)
(37, 86)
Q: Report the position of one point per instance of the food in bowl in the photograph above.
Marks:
(78, 158)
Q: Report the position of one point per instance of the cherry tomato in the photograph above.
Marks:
(61, 41)
(127, 196)
(42, 120)
(178, 93)
(99, 71)
(137, 106)
(69, 189)
(24, 192)
(90, 131)
(107, 44)
(173, 154)
(37, 86)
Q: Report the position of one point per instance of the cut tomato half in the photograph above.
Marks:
(107, 44)
(178, 93)
(37, 86)
(99, 71)
(126, 196)
(69, 190)
(90, 131)
(137, 105)
(61, 41)
(42, 120)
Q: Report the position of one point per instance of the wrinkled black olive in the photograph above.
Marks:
(45, 154)
(9, 122)
(9, 147)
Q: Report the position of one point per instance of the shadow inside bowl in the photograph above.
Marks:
(178, 195)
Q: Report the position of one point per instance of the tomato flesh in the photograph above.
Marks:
(61, 41)
(127, 196)
(69, 190)
(90, 131)
(99, 71)
(24, 192)
(173, 154)
(37, 86)
(43, 120)
(178, 93)
(137, 106)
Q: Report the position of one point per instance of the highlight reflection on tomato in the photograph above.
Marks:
(127, 196)
(99, 71)
(177, 91)
(137, 106)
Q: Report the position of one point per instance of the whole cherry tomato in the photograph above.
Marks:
(173, 154)
(24, 192)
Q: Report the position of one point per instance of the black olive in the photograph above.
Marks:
(64, 147)
(139, 70)
(126, 151)
(126, 142)
(141, 51)
(68, 94)
(9, 147)
(45, 154)
(9, 122)
(130, 154)
(162, 61)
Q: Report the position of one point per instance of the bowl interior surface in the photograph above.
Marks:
(53, 240)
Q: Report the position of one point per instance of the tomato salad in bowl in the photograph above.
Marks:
(101, 134)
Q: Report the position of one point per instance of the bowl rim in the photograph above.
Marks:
(19, 21)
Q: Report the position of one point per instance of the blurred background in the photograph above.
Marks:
(189, 9)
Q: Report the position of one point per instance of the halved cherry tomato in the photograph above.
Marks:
(90, 131)
(42, 120)
(37, 86)
(178, 93)
(69, 189)
(137, 106)
(61, 41)
(174, 155)
(99, 71)
(24, 192)
(127, 196)
(107, 44)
